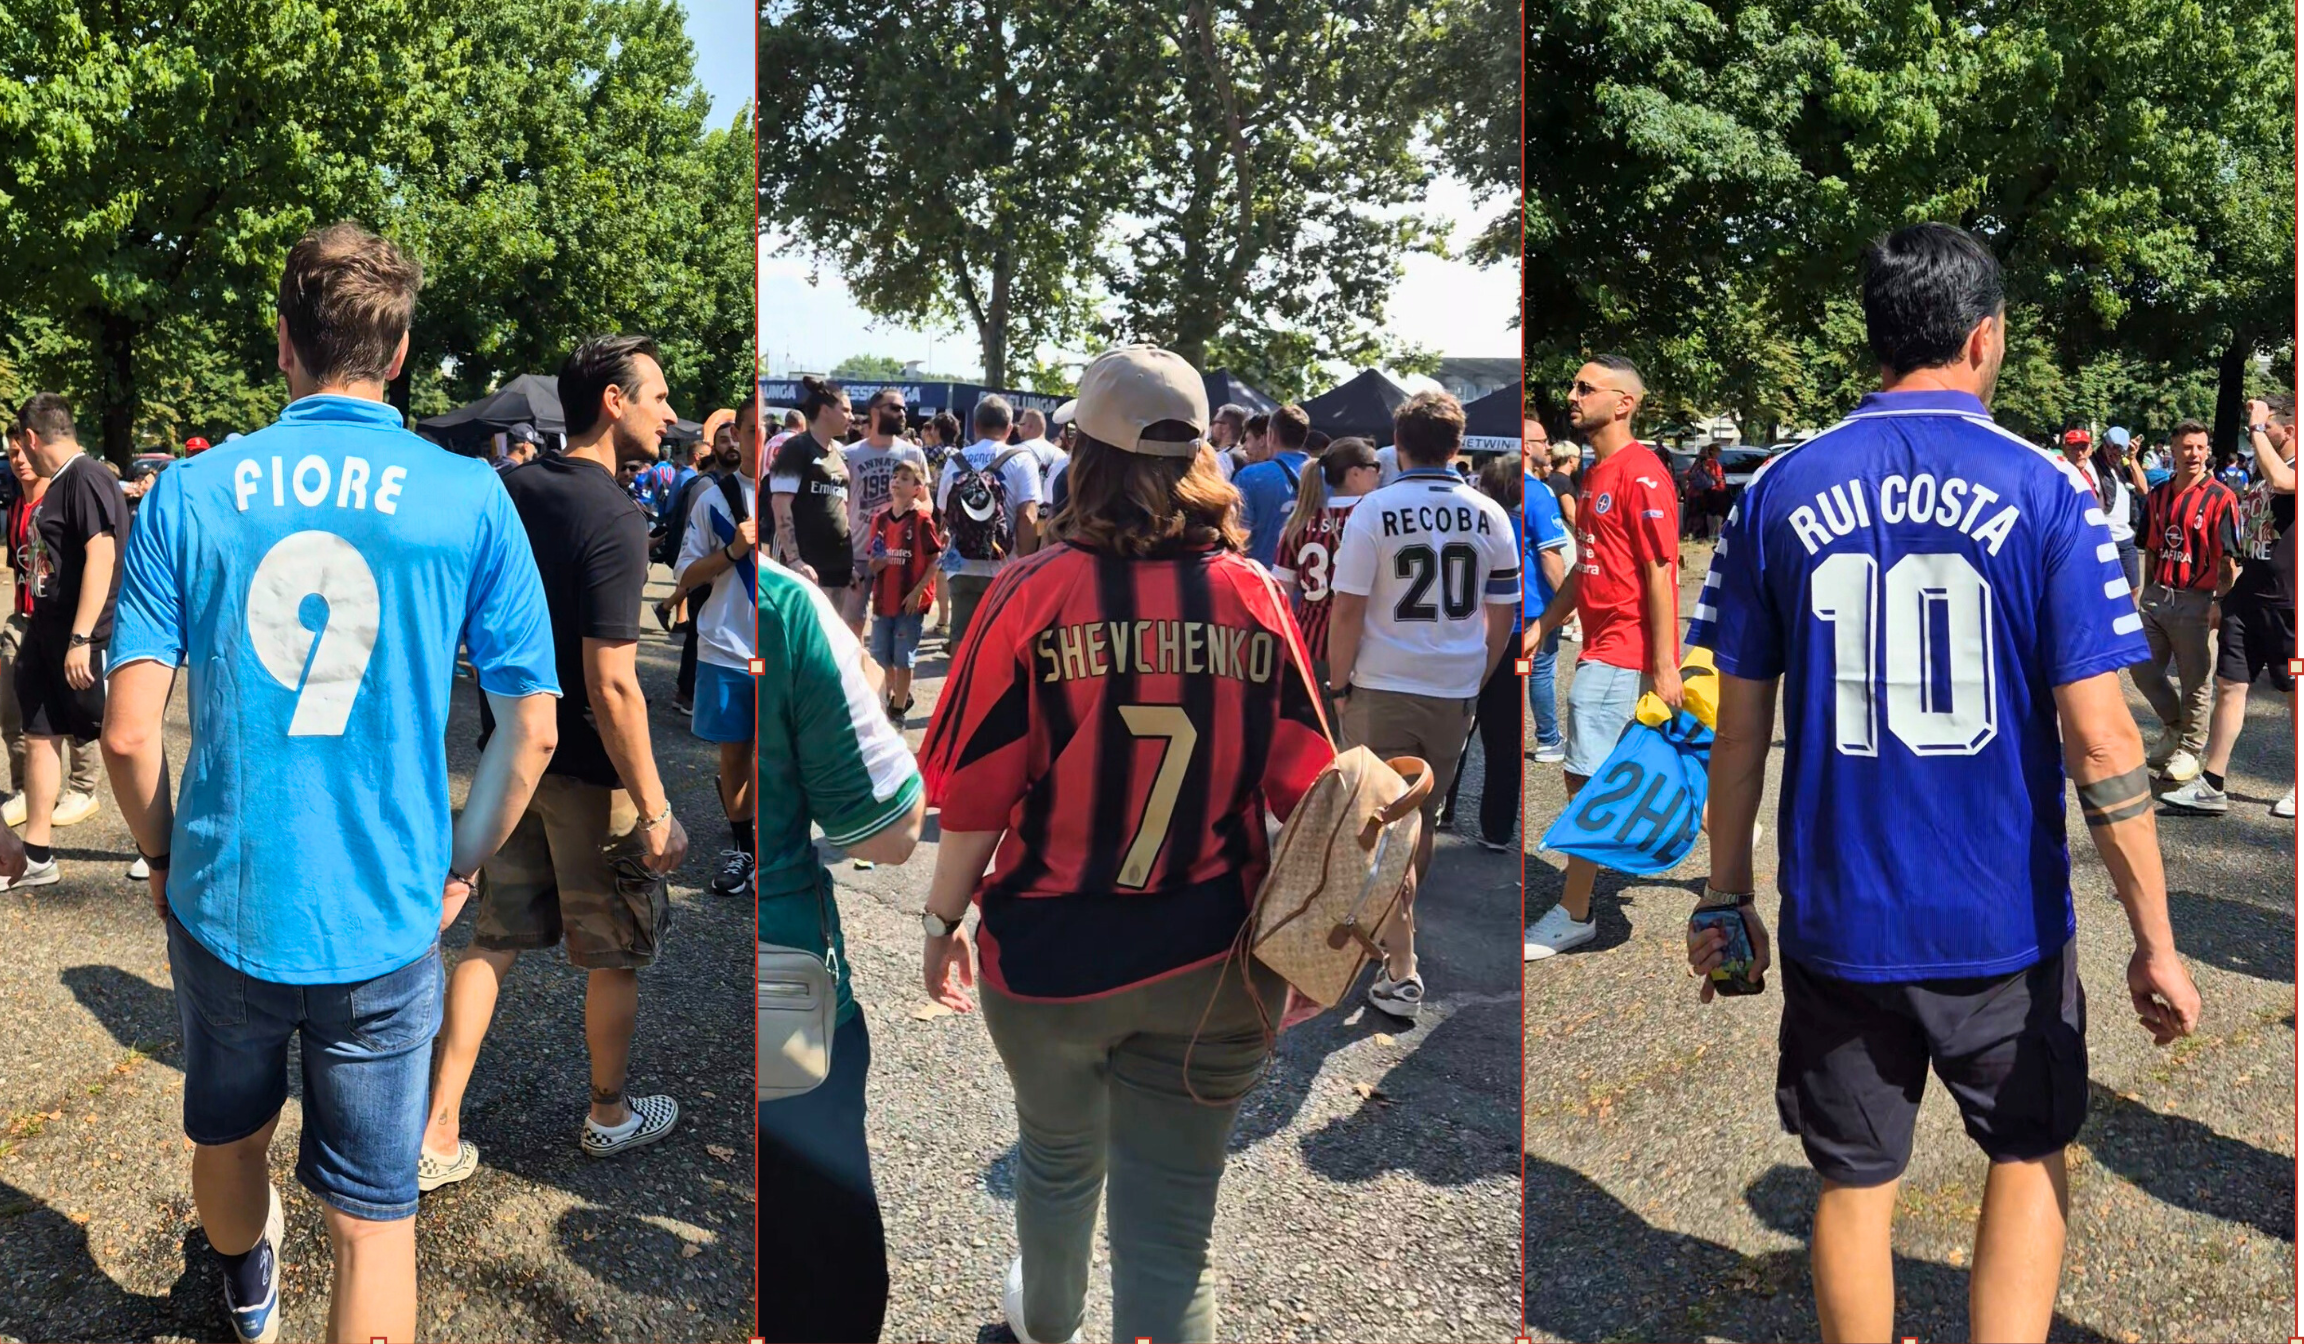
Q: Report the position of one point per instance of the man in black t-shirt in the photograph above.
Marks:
(808, 492)
(74, 573)
(2257, 632)
(586, 863)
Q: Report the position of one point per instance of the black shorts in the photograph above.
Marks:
(50, 707)
(2256, 636)
(1854, 1057)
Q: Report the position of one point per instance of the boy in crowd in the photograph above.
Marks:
(905, 546)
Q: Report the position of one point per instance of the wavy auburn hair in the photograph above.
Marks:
(1136, 506)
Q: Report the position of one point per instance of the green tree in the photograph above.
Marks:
(869, 369)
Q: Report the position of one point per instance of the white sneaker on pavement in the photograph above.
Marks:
(2286, 807)
(72, 808)
(1552, 754)
(139, 871)
(1400, 998)
(2197, 796)
(2181, 767)
(1555, 933)
(1012, 1302)
(35, 875)
(2166, 746)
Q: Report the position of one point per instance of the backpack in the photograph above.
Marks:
(976, 510)
(748, 568)
(1340, 872)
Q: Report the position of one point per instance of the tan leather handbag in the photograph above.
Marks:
(1340, 871)
(799, 1000)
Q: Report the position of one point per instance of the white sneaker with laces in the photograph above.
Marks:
(1555, 933)
(2286, 807)
(72, 808)
(35, 875)
(1400, 998)
(2197, 796)
(2181, 767)
(1551, 755)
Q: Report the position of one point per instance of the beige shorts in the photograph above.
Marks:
(573, 871)
(1395, 723)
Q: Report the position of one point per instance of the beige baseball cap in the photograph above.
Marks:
(1125, 392)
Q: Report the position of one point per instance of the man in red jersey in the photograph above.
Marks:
(1625, 586)
(2186, 569)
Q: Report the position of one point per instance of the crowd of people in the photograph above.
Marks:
(323, 583)
(1161, 626)
(1948, 610)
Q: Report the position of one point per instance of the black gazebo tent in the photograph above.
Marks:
(531, 398)
(1224, 387)
(1492, 423)
(1361, 407)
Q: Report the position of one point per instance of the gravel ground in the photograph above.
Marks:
(98, 1239)
(1374, 1181)
(1646, 1222)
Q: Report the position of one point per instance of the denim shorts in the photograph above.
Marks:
(896, 640)
(367, 1069)
(726, 701)
(1600, 703)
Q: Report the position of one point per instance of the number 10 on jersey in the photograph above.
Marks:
(1932, 660)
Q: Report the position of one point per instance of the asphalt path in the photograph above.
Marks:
(98, 1238)
(1374, 1183)
(1663, 1202)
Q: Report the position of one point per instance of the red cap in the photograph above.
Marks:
(195, 444)
(2075, 438)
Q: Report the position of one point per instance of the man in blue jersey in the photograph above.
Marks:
(1544, 563)
(316, 578)
(1268, 488)
(1946, 608)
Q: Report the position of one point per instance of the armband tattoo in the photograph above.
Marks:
(2106, 801)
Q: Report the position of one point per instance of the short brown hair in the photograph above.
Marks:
(46, 414)
(2282, 405)
(2184, 427)
(1291, 426)
(1428, 429)
(1136, 504)
(905, 466)
(347, 297)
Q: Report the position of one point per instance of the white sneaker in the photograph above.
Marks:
(1555, 933)
(2181, 767)
(1012, 1302)
(139, 871)
(73, 808)
(35, 875)
(1551, 755)
(1400, 998)
(2196, 796)
(2286, 807)
(2169, 741)
(13, 812)
(1573, 632)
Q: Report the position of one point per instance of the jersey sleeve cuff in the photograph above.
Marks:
(517, 684)
(859, 829)
(118, 660)
(2110, 660)
(1750, 669)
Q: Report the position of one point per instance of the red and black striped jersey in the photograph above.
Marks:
(1309, 558)
(1127, 723)
(2184, 530)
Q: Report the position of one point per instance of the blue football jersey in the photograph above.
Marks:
(1922, 580)
(315, 578)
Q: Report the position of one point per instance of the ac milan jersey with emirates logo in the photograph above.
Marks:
(1309, 558)
(1127, 723)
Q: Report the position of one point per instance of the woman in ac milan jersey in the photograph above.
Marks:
(1324, 499)
(1128, 707)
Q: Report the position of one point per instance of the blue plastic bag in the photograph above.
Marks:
(1642, 812)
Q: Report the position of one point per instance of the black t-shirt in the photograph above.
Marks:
(816, 479)
(83, 501)
(2261, 533)
(591, 543)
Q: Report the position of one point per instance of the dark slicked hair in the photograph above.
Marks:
(46, 414)
(815, 395)
(591, 369)
(1619, 364)
(1926, 286)
(2184, 427)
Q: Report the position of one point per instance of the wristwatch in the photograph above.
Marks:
(79, 641)
(939, 927)
(1714, 899)
(2258, 429)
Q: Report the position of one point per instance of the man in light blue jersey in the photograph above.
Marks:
(1945, 606)
(1268, 488)
(316, 578)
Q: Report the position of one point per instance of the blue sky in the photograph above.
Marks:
(723, 33)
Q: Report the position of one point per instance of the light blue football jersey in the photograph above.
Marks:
(315, 578)
(1922, 580)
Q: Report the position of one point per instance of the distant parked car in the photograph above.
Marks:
(1740, 464)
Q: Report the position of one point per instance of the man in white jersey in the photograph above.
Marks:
(315, 578)
(717, 552)
(1427, 584)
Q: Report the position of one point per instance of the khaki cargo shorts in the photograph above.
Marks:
(572, 870)
(1395, 723)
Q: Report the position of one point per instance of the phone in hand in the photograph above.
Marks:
(1734, 973)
